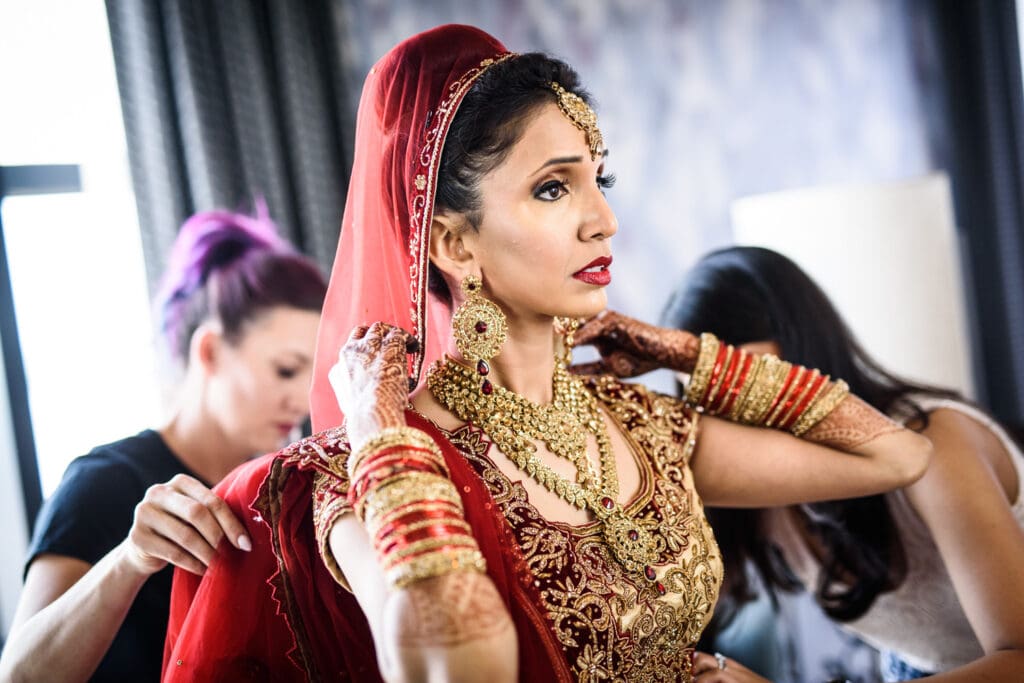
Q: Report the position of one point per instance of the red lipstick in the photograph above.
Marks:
(596, 272)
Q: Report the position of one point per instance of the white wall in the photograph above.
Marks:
(887, 256)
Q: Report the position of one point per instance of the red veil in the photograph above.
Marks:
(276, 613)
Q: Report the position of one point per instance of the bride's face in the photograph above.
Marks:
(543, 245)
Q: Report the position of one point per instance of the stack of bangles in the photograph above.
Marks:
(399, 488)
(760, 390)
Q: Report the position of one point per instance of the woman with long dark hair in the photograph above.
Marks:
(932, 574)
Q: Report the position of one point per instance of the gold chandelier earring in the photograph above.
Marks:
(566, 329)
(479, 328)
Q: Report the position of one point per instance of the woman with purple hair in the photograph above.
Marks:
(239, 309)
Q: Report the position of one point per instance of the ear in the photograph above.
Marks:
(205, 347)
(451, 247)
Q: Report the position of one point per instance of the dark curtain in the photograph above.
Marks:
(984, 140)
(227, 101)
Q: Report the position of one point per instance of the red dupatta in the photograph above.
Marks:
(380, 271)
(276, 613)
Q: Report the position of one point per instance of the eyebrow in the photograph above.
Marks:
(564, 160)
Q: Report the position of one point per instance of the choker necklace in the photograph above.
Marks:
(513, 423)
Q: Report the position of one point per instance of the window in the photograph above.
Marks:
(77, 272)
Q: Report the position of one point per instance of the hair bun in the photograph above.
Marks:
(212, 240)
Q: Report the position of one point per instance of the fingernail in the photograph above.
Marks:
(244, 543)
(412, 345)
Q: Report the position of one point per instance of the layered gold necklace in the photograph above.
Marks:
(513, 423)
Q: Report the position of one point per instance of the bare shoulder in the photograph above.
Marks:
(962, 445)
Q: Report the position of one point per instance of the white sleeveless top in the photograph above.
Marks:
(922, 619)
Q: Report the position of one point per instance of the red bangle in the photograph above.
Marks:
(792, 375)
(728, 381)
(787, 395)
(452, 547)
(407, 451)
(723, 381)
(379, 475)
(716, 370)
(425, 505)
(738, 386)
(411, 518)
(812, 391)
(799, 391)
(436, 531)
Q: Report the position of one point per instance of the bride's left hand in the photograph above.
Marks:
(708, 669)
(629, 347)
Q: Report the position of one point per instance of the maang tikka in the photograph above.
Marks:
(479, 328)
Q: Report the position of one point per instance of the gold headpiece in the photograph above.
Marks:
(582, 116)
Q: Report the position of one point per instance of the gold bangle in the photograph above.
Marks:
(752, 378)
(741, 359)
(411, 487)
(424, 523)
(719, 382)
(798, 396)
(809, 398)
(702, 369)
(822, 407)
(393, 436)
(778, 415)
(435, 564)
(771, 379)
(454, 541)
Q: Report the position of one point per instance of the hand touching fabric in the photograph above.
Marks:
(181, 522)
(629, 347)
(370, 380)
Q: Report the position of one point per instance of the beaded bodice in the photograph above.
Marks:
(616, 625)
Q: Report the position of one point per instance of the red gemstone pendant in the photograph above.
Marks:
(487, 387)
(649, 573)
(480, 327)
(482, 367)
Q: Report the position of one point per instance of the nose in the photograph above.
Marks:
(599, 221)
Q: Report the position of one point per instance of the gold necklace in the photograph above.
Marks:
(513, 422)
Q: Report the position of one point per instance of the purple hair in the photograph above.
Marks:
(231, 267)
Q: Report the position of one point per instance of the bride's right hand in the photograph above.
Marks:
(370, 380)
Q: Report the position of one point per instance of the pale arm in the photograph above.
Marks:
(739, 466)
(980, 540)
(450, 628)
(69, 612)
(68, 615)
(852, 451)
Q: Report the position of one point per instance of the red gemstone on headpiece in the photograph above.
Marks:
(661, 588)
(634, 534)
(482, 367)
(607, 503)
(487, 387)
(649, 573)
(480, 327)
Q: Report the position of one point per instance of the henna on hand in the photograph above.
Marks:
(370, 380)
(449, 610)
(629, 347)
(850, 425)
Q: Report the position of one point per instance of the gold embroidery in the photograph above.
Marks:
(614, 625)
